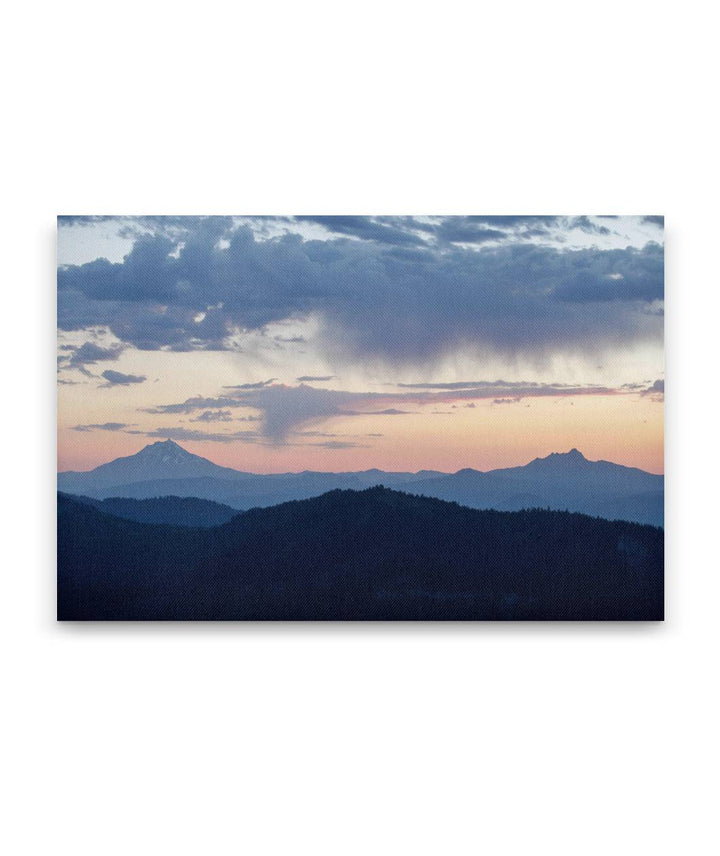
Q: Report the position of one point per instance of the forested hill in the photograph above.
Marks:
(372, 554)
(170, 510)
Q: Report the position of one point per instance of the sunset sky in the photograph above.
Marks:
(274, 344)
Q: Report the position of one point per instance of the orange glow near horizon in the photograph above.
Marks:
(626, 429)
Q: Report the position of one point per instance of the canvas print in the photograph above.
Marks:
(360, 418)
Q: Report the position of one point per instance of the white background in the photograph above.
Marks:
(367, 739)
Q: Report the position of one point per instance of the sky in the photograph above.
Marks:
(277, 344)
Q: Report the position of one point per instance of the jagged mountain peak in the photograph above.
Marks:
(573, 457)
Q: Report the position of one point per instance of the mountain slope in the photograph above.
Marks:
(161, 460)
(559, 481)
(372, 554)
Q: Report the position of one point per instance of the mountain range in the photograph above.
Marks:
(560, 481)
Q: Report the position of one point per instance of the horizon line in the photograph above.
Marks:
(172, 442)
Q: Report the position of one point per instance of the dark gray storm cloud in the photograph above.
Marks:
(379, 290)
(655, 390)
(461, 231)
(587, 225)
(114, 378)
(89, 353)
(285, 409)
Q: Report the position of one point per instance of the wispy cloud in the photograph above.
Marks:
(114, 378)
(259, 385)
(214, 416)
(389, 411)
(338, 444)
(180, 433)
(104, 426)
(190, 405)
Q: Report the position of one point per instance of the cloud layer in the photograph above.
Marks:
(400, 290)
(286, 409)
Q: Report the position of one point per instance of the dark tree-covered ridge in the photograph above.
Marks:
(170, 510)
(372, 554)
